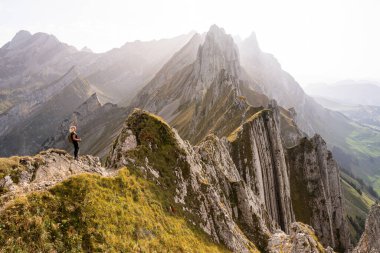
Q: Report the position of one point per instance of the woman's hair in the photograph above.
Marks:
(72, 129)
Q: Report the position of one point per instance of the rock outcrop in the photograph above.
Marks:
(316, 191)
(301, 238)
(34, 173)
(370, 240)
(199, 189)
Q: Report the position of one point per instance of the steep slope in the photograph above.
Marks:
(122, 72)
(97, 125)
(277, 84)
(369, 242)
(357, 205)
(258, 154)
(21, 104)
(31, 61)
(27, 134)
(316, 191)
(152, 149)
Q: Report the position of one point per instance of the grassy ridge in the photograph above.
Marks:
(90, 213)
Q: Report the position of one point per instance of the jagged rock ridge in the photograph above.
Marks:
(233, 203)
(369, 242)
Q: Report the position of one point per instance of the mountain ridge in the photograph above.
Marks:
(205, 92)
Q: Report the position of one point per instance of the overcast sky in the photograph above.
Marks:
(315, 41)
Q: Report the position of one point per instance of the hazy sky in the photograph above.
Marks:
(315, 41)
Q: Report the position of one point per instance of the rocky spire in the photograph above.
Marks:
(217, 52)
(369, 242)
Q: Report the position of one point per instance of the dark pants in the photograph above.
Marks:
(76, 150)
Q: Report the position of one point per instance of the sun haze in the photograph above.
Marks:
(316, 41)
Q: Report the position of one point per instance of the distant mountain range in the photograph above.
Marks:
(348, 92)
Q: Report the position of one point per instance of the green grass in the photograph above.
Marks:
(90, 213)
(363, 141)
(375, 182)
(356, 207)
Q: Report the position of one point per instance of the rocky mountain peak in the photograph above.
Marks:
(21, 35)
(216, 30)
(251, 45)
(19, 38)
(24, 39)
(217, 52)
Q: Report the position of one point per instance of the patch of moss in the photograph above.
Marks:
(90, 213)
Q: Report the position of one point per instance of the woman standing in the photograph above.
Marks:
(74, 139)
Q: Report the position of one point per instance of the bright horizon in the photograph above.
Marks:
(315, 41)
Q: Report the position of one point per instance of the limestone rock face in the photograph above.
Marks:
(44, 170)
(370, 240)
(316, 191)
(259, 156)
(300, 239)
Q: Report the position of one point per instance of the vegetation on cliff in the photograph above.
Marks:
(90, 213)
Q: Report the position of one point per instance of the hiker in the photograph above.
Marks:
(74, 139)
